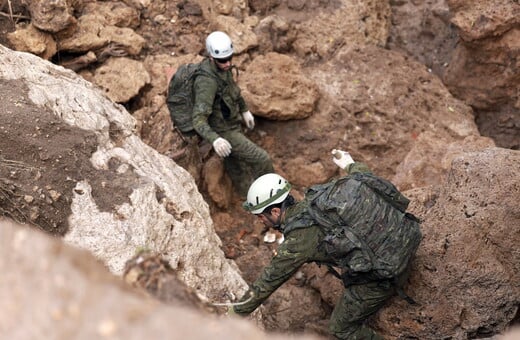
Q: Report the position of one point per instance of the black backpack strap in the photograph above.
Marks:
(402, 294)
(334, 272)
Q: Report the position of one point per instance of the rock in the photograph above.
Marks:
(344, 24)
(221, 8)
(80, 296)
(218, 184)
(430, 159)
(241, 35)
(275, 87)
(275, 34)
(85, 37)
(125, 38)
(154, 204)
(109, 76)
(51, 15)
(263, 6)
(27, 38)
(114, 13)
(468, 246)
(189, 8)
(483, 70)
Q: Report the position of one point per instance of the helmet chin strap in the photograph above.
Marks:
(275, 224)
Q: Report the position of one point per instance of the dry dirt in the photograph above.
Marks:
(47, 142)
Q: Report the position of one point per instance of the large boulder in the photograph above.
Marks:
(274, 87)
(466, 276)
(429, 160)
(50, 290)
(74, 167)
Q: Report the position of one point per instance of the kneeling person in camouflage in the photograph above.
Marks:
(357, 223)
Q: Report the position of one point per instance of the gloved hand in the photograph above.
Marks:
(222, 147)
(342, 158)
(249, 119)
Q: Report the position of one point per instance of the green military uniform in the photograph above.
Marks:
(302, 245)
(217, 113)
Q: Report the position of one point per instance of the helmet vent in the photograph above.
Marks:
(271, 193)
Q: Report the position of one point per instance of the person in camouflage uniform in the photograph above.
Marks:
(219, 110)
(269, 199)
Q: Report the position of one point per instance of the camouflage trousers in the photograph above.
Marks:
(247, 161)
(358, 302)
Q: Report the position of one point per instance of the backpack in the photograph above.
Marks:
(180, 98)
(368, 232)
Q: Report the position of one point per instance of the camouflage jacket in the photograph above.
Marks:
(218, 103)
(301, 245)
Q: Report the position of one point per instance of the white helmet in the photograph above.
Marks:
(219, 45)
(266, 190)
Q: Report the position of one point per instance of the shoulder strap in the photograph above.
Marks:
(202, 71)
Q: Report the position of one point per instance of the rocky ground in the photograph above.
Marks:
(397, 88)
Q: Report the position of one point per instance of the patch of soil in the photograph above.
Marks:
(49, 155)
(172, 27)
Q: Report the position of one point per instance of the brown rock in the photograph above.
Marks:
(467, 269)
(109, 76)
(218, 184)
(28, 38)
(51, 15)
(275, 87)
(430, 159)
(484, 68)
(126, 39)
(115, 13)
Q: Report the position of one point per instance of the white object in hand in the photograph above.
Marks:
(222, 147)
(342, 158)
(249, 119)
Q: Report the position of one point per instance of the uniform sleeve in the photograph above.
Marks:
(242, 104)
(205, 90)
(292, 253)
(358, 167)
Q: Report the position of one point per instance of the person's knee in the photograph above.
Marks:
(262, 162)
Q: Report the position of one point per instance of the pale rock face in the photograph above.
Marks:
(164, 212)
